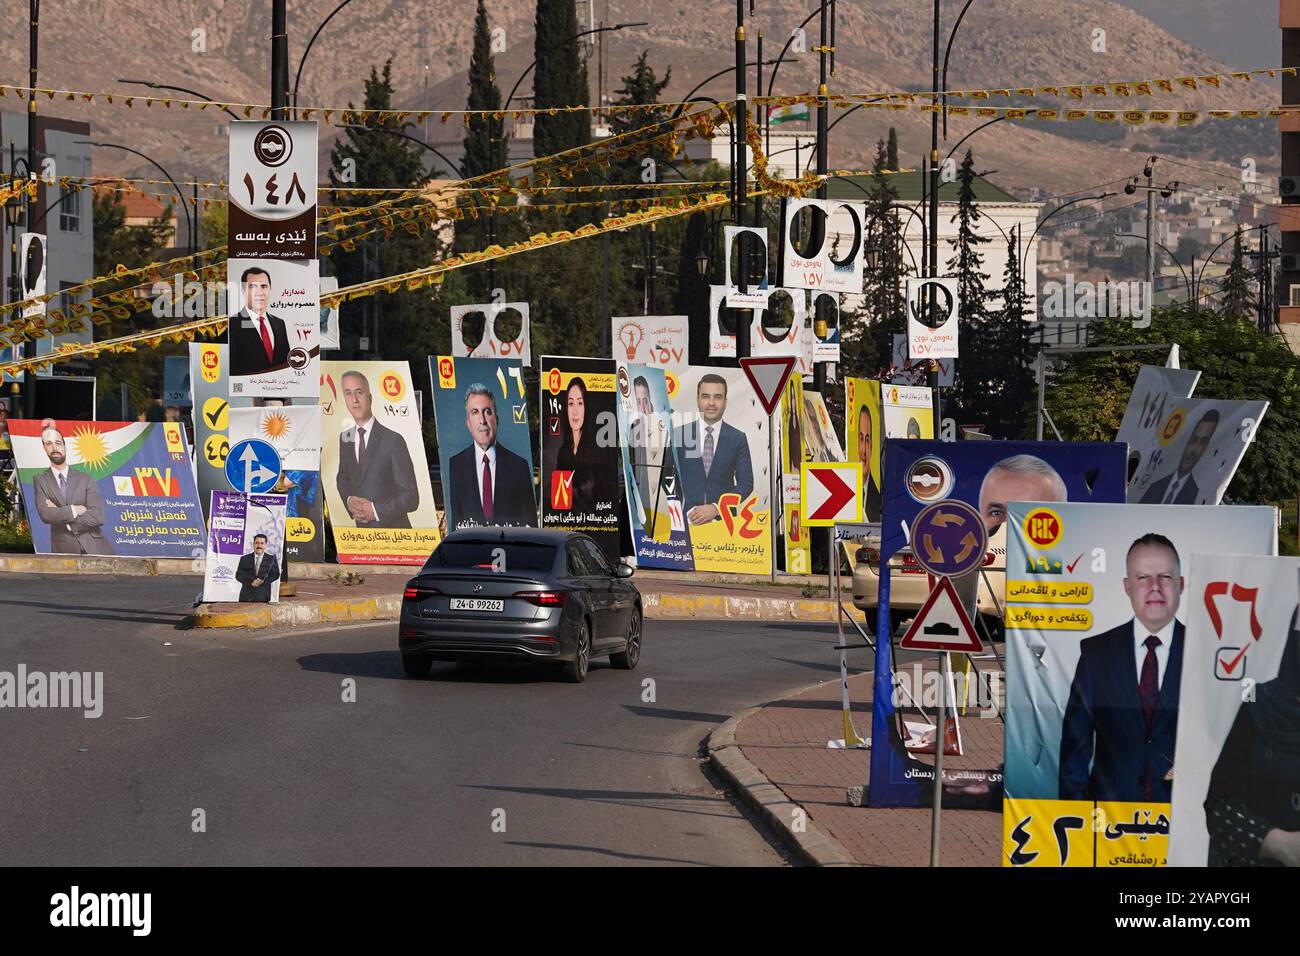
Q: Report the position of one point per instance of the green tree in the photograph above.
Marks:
(1088, 393)
(398, 322)
(560, 79)
(867, 336)
(132, 247)
(891, 155)
(979, 365)
(1010, 340)
(642, 86)
(1238, 299)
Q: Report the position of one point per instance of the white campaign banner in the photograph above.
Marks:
(235, 522)
(1237, 756)
(491, 345)
(835, 265)
(272, 211)
(661, 341)
(795, 339)
(274, 332)
(1189, 453)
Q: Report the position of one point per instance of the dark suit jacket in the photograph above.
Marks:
(731, 471)
(512, 496)
(69, 534)
(245, 575)
(1186, 494)
(1104, 723)
(247, 353)
(387, 480)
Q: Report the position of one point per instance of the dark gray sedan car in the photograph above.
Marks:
(519, 594)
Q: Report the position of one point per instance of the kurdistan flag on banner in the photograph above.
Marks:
(777, 115)
(97, 448)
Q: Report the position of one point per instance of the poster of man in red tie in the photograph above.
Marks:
(484, 446)
(1097, 600)
(274, 331)
(373, 466)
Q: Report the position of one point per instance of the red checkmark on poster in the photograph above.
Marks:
(1230, 666)
(1070, 567)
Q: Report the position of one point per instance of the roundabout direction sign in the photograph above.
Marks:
(949, 538)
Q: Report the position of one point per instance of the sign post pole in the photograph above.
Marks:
(938, 758)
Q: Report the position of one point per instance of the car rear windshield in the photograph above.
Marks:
(508, 556)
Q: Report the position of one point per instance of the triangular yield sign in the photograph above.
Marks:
(942, 624)
(768, 374)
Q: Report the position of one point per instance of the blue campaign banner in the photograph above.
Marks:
(123, 488)
(485, 449)
(659, 535)
(988, 476)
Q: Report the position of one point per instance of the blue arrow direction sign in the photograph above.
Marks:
(949, 539)
(253, 467)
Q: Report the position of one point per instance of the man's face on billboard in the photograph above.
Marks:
(257, 293)
(711, 397)
(55, 450)
(259, 545)
(864, 435)
(1196, 447)
(356, 395)
(1154, 585)
(1004, 486)
(481, 419)
(643, 404)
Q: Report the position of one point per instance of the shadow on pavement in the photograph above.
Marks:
(387, 665)
(601, 850)
(664, 713)
(109, 613)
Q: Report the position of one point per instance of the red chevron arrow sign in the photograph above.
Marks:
(831, 492)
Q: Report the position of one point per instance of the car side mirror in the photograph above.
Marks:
(624, 571)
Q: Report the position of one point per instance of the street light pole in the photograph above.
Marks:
(932, 271)
(34, 16)
(823, 164)
(739, 163)
(189, 222)
(279, 60)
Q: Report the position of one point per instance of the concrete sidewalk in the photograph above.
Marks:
(776, 757)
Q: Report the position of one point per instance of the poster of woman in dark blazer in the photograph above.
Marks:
(580, 467)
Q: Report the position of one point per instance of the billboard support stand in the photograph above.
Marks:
(851, 740)
(937, 806)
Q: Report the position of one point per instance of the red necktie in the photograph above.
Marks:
(1149, 682)
(266, 340)
(487, 489)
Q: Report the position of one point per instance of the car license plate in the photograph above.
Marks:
(477, 604)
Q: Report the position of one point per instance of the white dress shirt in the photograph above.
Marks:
(1176, 484)
(1166, 635)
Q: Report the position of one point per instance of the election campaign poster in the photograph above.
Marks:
(245, 552)
(986, 475)
(484, 448)
(329, 314)
(274, 329)
(779, 327)
(122, 488)
(210, 411)
(908, 411)
(1238, 750)
(1096, 645)
(295, 433)
(650, 474)
(491, 321)
(906, 372)
(579, 443)
(1156, 390)
(1189, 454)
(798, 554)
(876, 412)
(373, 468)
(721, 436)
(272, 210)
(820, 443)
(659, 340)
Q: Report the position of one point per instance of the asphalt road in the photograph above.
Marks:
(254, 732)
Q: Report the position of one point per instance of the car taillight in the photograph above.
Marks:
(868, 555)
(415, 594)
(542, 598)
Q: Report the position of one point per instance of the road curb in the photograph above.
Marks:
(666, 606)
(812, 845)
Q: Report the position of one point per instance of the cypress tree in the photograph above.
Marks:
(560, 79)
(485, 141)
(1238, 299)
(979, 362)
(369, 158)
(891, 161)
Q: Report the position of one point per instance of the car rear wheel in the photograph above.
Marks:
(416, 665)
(626, 659)
(575, 671)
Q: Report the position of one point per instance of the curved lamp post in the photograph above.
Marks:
(189, 221)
